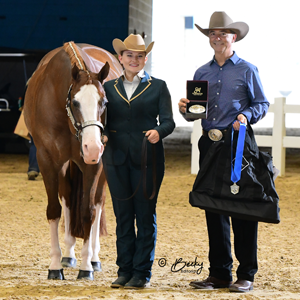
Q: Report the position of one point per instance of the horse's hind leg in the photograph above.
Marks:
(90, 249)
(69, 258)
(86, 270)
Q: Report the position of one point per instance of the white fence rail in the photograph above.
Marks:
(278, 141)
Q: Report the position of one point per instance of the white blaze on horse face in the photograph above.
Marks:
(92, 147)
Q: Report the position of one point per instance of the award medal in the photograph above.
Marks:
(234, 189)
(197, 109)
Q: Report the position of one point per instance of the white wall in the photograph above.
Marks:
(272, 44)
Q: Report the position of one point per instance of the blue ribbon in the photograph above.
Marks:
(237, 169)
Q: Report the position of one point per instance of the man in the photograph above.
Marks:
(235, 95)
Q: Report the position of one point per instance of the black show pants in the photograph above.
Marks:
(136, 217)
(245, 239)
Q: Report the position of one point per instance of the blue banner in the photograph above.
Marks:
(237, 168)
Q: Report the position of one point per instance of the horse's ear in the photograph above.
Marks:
(103, 72)
(75, 72)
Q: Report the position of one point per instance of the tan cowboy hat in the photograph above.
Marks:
(220, 20)
(134, 42)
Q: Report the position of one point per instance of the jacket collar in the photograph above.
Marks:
(142, 87)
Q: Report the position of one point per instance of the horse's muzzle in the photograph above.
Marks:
(91, 145)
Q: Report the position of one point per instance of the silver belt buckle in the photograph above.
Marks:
(215, 135)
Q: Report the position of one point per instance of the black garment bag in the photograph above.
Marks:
(257, 199)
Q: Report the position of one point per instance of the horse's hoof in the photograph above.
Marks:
(69, 262)
(96, 266)
(85, 275)
(56, 274)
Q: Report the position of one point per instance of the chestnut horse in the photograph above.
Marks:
(63, 110)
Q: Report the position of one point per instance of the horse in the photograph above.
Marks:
(63, 110)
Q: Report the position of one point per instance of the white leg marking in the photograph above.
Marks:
(95, 234)
(55, 252)
(86, 255)
(70, 241)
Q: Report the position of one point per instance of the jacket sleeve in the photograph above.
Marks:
(165, 115)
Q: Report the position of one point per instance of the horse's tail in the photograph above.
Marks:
(76, 225)
(76, 220)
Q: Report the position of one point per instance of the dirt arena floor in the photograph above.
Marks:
(25, 246)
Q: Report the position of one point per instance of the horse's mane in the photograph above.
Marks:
(74, 55)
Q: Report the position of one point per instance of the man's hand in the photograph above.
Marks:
(153, 136)
(182, 105)
(240, 118)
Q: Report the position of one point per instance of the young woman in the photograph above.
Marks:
(138, 106)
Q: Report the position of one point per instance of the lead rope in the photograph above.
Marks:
(143, 172)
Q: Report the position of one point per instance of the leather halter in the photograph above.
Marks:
(77, 125)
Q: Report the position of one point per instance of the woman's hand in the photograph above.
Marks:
(104, 139)
(240, 118)
(182, 105)
(153, 136)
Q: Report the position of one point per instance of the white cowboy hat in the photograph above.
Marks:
(220, 20)
(134, 42)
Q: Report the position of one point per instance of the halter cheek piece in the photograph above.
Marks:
(77, 125)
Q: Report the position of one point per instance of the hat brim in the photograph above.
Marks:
(119, 46)
(239, 28)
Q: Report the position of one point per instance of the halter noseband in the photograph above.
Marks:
(77, 125)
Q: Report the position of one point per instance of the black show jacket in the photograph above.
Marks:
(149, 107)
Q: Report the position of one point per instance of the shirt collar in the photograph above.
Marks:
(234, 58)
(136, 78)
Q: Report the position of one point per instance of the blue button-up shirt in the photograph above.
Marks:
(235, 88)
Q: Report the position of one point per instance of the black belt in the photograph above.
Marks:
(214, 134)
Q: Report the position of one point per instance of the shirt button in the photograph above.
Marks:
(216, 105)
(219, 80)
(214, 119)
(220, 69)
(217, 93)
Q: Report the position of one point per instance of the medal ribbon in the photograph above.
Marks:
(237, 169)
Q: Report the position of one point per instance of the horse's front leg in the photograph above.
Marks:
(55, 269)
(96, 240)
(99, 225)
(91, 176)
(50, 177)
(69, 258)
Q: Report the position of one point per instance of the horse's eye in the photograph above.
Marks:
(76, 103)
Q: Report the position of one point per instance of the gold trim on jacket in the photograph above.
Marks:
(128, 101)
